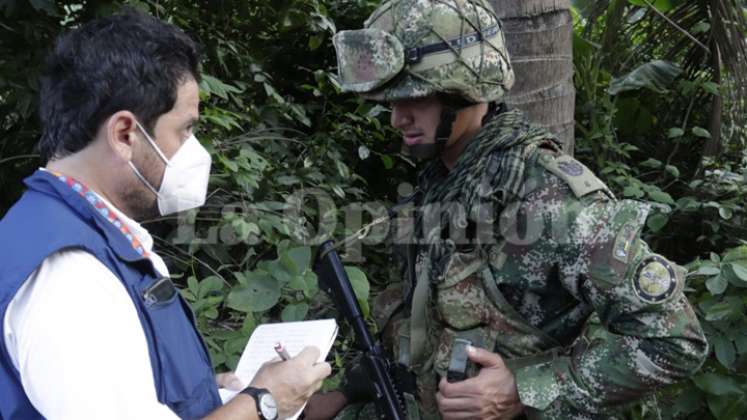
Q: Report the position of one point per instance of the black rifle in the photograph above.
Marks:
(334, 281)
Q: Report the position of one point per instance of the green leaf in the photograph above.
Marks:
(231, 165)
(726, 354)
(656, 76)
(711, 88)
(717, 285)
(296, 312)
(661, 197)
(633, 191)
(701, 132)
(707, 270)
(657, 222)
(210, 285)
(387, 161)
(738, 271)
(651, 163)
(737, 254)
(675, 132)
(661, 5)
(193, 285)
(672, 170)
(261, 293)
(728, 407)
(315, 42)
(716, 384)
(725, 213)
(715, 310)
(361, 287)
(296, 260)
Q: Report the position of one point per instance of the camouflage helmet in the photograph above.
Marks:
(416, 48)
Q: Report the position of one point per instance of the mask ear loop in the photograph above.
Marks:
(152, 143)
(160, 154)
(142, 179)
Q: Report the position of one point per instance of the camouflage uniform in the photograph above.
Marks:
(551, 247)
(517, 248)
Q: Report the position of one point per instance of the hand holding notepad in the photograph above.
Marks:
(295, 336)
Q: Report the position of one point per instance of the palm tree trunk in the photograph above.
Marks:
(539, 34)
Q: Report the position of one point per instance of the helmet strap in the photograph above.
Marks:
(424, 152)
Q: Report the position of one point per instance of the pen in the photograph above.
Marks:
(281, 351)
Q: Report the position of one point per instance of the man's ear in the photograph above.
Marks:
(120, 132)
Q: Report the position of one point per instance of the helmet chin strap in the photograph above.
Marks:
(425, 152)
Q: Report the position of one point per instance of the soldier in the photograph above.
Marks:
(516, 246)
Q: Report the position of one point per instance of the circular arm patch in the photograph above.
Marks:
(654, 280)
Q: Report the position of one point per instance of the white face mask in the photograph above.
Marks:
(185, 179)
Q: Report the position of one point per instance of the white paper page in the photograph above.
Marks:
(293, 335)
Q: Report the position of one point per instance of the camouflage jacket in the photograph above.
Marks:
(517, 248)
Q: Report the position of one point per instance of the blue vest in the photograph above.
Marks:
(52, 216)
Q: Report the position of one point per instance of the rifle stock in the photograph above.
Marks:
(335, 282)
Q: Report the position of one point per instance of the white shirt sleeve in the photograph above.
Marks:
(74, 335)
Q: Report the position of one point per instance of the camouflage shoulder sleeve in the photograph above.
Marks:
(579, 178)
(649, 335)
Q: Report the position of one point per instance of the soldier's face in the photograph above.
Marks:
(417, 119)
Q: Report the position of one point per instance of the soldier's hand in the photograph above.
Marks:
(292, 382)
(491, 394)
(324, 406)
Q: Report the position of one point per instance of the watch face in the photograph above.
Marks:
(268, 406)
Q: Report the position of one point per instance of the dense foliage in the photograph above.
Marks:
(277, 125)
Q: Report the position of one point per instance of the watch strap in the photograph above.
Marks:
(256, 393)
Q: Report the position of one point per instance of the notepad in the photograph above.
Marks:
(294, 336)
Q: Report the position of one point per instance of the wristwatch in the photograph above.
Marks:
(267, 409)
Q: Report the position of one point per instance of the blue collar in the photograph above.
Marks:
(91, 210)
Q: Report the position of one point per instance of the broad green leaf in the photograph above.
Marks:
(717, 311)
(672, 170)
(728, 407)
(387, 161)
(661, 197)
(651, 163)
(657, 222)
(717, 285)
(260, 294)
(301, 256)
(701, 132)
(737, 254)
(707, 270)
(209, 285)
(675, 132)
(315, 41)
(312, 284)
(297, 283)
(296, 312)
(725, 213)
(633, 191)
(193, 285)
(738, 271)
(726, 354)
(359, 282)
(656, 76)
(740, 340)
(716, 384)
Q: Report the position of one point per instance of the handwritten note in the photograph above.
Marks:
(294, 336)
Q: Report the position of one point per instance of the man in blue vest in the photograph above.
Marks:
(90, 324)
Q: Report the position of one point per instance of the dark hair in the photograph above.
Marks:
(128, 61)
